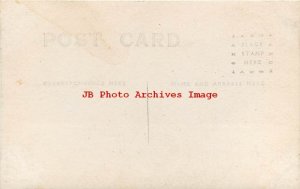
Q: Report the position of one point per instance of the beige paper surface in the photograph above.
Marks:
(54, 138)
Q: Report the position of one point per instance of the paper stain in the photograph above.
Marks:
(19, 82)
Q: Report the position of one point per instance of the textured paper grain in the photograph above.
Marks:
(247, 52)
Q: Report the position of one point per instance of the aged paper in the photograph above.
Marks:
(105, 95)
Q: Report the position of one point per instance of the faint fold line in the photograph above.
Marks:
(148, 124)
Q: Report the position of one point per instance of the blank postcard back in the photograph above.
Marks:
(139, 94)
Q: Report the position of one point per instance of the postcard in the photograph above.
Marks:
(150, 94)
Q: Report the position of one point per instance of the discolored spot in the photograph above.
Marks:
(20, 82)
